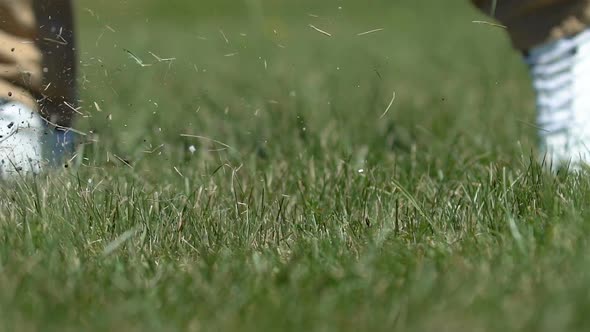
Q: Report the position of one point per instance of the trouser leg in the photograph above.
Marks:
(555, 38)
(57, 44)
(534, 22)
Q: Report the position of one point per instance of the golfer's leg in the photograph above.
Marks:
(555, 38)
(21, 127)
(20, 58)
(36, 77)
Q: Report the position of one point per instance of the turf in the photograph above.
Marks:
(254, 172)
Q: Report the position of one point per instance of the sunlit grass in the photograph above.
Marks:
(244, 171)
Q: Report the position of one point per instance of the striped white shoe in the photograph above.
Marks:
(27, 143)
(561, 78)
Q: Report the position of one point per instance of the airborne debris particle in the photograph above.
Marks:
(495, 25)
(369, 32)
(136, 59)
(320, 30)
(388, 106)
(224, 37)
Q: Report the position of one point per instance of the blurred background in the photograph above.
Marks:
(275, 79)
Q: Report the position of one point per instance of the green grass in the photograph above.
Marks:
(305, 206)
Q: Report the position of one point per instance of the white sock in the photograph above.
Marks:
(561, 77)
(20, 140)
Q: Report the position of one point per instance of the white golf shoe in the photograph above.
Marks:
(561, 78)
(27, 143)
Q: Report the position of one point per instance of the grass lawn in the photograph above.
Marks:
(246, 167)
